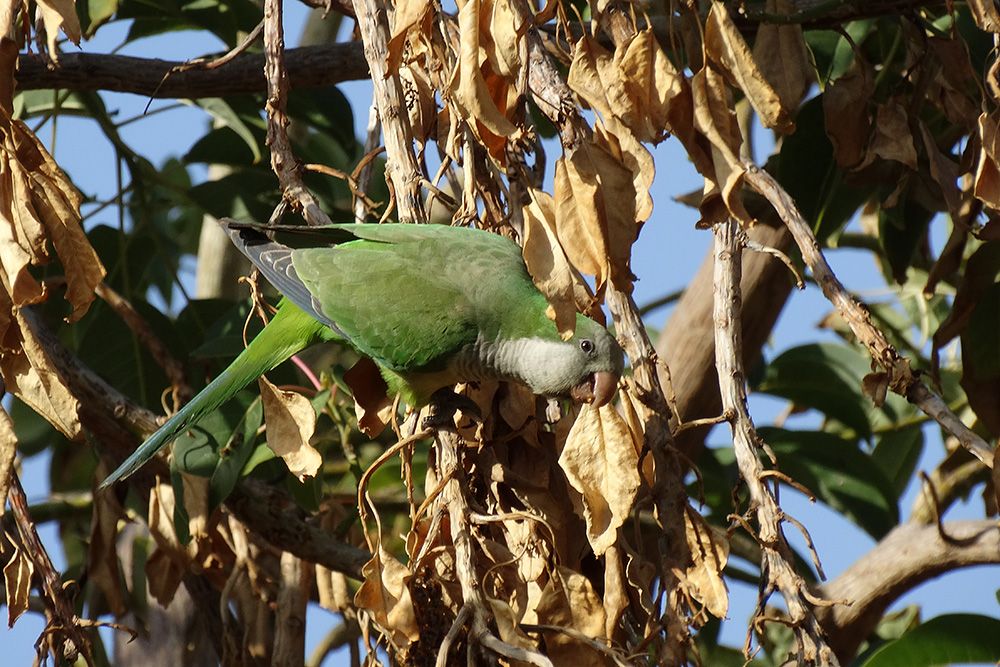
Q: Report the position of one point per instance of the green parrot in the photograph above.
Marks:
(431, 305)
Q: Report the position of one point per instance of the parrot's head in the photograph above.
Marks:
(585, 367)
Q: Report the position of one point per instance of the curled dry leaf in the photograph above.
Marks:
(986, 15)
(290, 420)
(845, 114)
(569, 600)
(893, 139)
(39, 204)
(169, 563)
(600, 462)
(470, 91)
(726, 47)
(709, 553)
(59, 15)
(385, 595)
(987, 182)
(715, 120)
(17, 582)
(546, 261)
(781, 54)
(406, 17)
(595, 212)
(30, 374)
(103, 568)
(615, 591)
(507, 625)
(8, 450)
(372, 404)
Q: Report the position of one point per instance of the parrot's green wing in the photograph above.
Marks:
(405, 295)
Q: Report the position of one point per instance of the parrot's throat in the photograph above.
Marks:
(543, 365)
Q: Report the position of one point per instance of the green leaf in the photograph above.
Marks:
(806, 169)
(900, 230)
(832, 52)
(235, 454)
(94, 14)
(825, 377)
(946, 640)
(841, 476)
(897, 453)
(226, 116)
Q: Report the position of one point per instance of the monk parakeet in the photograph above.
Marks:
(431, 305)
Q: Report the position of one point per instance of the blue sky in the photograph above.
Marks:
(666, 256)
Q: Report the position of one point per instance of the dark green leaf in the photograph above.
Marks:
(824, 377)
(841, 476)
(235, 454)
(950, 639)
(897, 453)
(900, 231)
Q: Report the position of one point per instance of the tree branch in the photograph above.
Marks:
(777, 570)
(307, 67)
(905, 558)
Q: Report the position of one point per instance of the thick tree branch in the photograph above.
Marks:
(905, 558)
(307, 67)
(274, 516)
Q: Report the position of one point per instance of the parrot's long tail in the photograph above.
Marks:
(290, 331)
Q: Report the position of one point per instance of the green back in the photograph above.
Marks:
(410, 296)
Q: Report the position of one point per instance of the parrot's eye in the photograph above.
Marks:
(587, 345)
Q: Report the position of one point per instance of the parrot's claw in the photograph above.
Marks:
(443, 405)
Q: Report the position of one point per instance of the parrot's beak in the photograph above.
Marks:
(605, 386)
(598, 389)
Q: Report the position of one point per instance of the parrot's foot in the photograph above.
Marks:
(443, 405)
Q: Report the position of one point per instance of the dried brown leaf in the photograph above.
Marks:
(30, 374)
(420, 105)
(595, 213)
(987, 182)
(385, 595)
(505, 32)
(17, 583)
(569, 600)
(546, 261)
(594, 76)
(615, 591)
(470, 92)
(507, 625)
(372, 404)
(781, 54)
(726, 47)
(59, 15)
(654, 85)
(102, 557)
(38, 202)
(893, 139)
(406, 16)
(290, 421)
(168, 564)
(715, 120)
(600, 462)
(986, 15)
(8, 450)
(845, 114)
(709, 553)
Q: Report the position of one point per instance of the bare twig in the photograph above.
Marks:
(900, 377)
(401, 165)
(63, 629)
(283, 161)
(776, 566)
(453, 631)
(363, 172)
